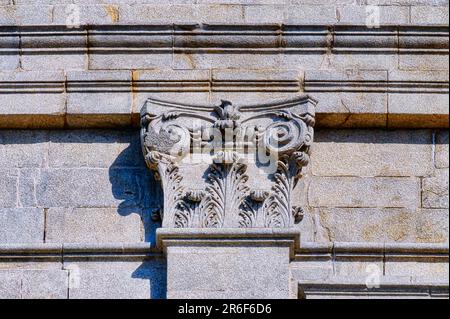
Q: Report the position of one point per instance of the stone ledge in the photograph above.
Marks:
(305, 251)
(225, 37)
(346, 287)
(336, 250)
(228, 237)
(63, 252)
(99, 99)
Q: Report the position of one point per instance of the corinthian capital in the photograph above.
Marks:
(227, 165)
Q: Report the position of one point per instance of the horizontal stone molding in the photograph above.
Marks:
(403, 251)
(209, 38)
(303, 251)
(389, 287)
(96, 99)
(61, 252)
(167, 237)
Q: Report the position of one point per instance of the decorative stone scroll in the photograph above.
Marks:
(228, 166)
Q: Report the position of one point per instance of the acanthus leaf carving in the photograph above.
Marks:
(173, 134)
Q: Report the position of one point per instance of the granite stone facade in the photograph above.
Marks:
(82, 210)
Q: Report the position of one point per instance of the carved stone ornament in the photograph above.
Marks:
(228, 166)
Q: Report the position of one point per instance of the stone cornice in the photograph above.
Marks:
(306, 251)
(385, 251)
(400, 287)
(225, 38)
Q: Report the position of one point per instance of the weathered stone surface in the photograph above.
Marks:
(23, 148)
(34, 284)
(8, 188)
(417, 269)
(228, 272)
(94, 225)
(429, 15)
(441, 152)
(426, 62)
(88, 14)
(117, 280)
(109, 97)
(372, 153)
(402, 106)
(360, 14)
(92, 188)
(364, 192)
(46, 101)
(25, 14)
(9, 285)
(21, 225)
(94, 148)
(381, 225)
(433, 226)
(41, 284)
(435, 190)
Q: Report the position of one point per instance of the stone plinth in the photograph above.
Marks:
(228, 263)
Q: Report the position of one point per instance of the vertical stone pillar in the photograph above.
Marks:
(228, 263)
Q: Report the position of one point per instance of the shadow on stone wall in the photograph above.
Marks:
(133, 184)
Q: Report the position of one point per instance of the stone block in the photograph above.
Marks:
(179, 14)
(92, 225)
(435, 190)
(429, 15)
(126, 61)
(432, 226)
(46, 102)
(33, 284)
(258, 81)
(117, 280)
(312, 270)
(44, 284)
(364, 192)
(264, 13)
(417, 270)
(382, 225)
(25, 15)
(89, 13)
(10, 285)
(372, 153)
(192, 60)
(360, 15)
(8, 188)
(100, 187)
(361, 60)
(23, 148)
(351, 109)
(99, 98)
(431, 106)
(424, 62)
(441, 151)
(227, 272)
(419, 77)
(308, 14)
(21, 225)
(95, 149)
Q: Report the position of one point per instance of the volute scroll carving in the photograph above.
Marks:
(244, 161)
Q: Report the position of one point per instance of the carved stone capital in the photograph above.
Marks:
(228, 166)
